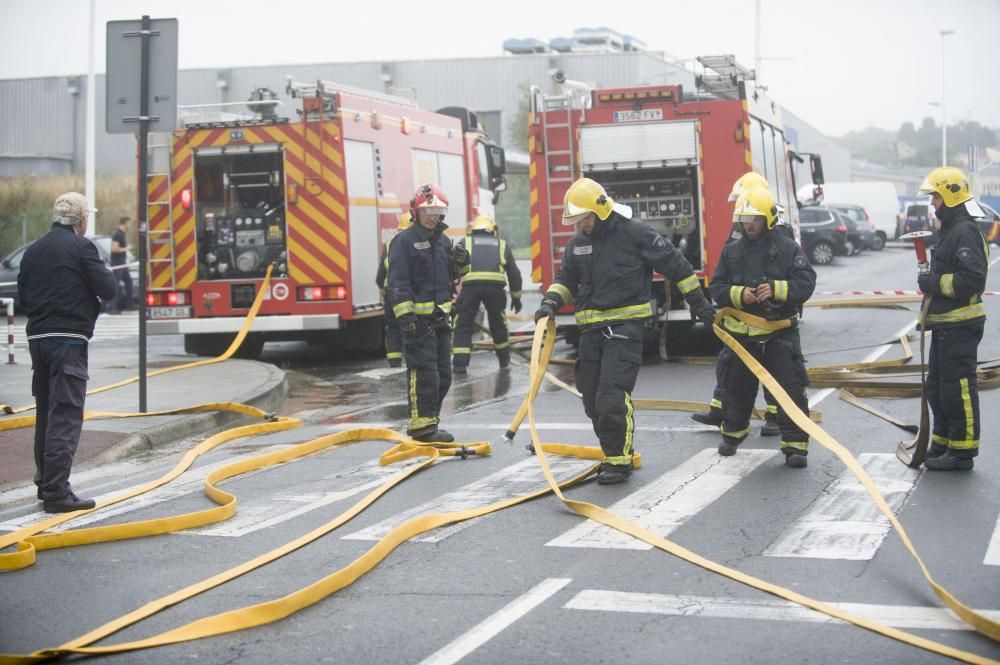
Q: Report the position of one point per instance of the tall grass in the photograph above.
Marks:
(31, 198)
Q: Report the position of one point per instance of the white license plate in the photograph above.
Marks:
(168, 312)
(639, 116)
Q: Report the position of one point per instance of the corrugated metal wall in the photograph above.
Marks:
(43, 128)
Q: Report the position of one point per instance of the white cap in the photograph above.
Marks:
(72, 204)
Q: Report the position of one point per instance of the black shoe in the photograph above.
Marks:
(770, 427)
(612, 474)
(948, 462)
(713, 418)
(796, 460)
(936, 450)
(395, 362)
(68, 504)
(726, 449)
(40, 494)
(460, 369)
(504, 358)
(437, 436)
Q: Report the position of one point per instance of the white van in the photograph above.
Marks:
(878, 198)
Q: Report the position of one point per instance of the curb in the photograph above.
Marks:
(269, 399)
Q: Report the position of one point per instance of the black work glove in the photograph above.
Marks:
(702, 308)
(515, 305)
(408, 324)
(928, 282)
(460, 254)
(548, 309)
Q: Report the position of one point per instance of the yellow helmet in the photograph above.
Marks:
(405, 221)
(746, 181)
(483, 223)
(754, 202)
(950, 183)
(585, 196)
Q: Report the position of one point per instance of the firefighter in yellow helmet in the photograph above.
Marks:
(393, 337)
(767, 274)
(607, 267)
(714, 415)
(485, 265)
(954, 281)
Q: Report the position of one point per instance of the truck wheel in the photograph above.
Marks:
(821, 253)
(879, 243)
(365, 336)
(251, 347)
(206, 344)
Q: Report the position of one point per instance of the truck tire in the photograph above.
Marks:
(821, 253)
(879, 243)
(215, 344)
(366, 336)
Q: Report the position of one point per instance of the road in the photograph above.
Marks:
(536, 583)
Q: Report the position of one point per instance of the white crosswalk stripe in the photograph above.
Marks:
(109, 327)
(844, 523)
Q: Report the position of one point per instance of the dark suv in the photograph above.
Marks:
(990, 224)
(823, 234)
(865, 229)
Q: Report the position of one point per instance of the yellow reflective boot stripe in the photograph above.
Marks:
(591, 316)
(392, 355)
(772, 409)
(970, 422)
(937, 438)
(561, 291)
(738, 434)
(798, 445)
(501, 345)
(780, 290)
(715, 404)
(461, 350)
(629, 426)
(688, 284)
(947, 284)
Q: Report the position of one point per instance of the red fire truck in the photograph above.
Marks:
(315, 196)
(671, 157)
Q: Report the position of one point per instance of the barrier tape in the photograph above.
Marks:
(885, 292)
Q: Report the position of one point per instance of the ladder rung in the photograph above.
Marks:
(550, 153)
(561, 125)
(158, 203)
(157, 231)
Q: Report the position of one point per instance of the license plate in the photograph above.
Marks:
(168, 312)
(638, 116)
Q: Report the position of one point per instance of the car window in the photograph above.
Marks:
(808, 216)
(15, 258)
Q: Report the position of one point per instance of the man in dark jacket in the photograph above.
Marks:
(61, 278)
(489, 264)
(421, 271)
(954, 282)
(393, 337)
(764, 273)
(607, 268)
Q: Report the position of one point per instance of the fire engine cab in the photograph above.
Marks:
(316, 197)
(672, 157)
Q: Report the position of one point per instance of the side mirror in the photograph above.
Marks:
(499, 187)
(6, 264)
(816, 168)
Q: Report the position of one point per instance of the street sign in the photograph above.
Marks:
(124, 64)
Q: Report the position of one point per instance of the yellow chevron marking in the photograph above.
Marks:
(308, 210)
(322, 246)
(297, 252)
(534, 222)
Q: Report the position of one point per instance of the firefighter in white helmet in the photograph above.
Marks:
(954, 282)
(393, 337)
(766, 274)
(485, 265)
(607, 268)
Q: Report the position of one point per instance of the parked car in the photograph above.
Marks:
(854, 241)
(920, 217)
(824, 234)
(869, 238)
(990, 224)
(11, 266)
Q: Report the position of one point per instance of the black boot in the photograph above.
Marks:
(770, 426)
(612, 474)
(728, 446)
(713, 417)
(68, 504)
(936, 449)
(503, 355)
(949, 462)
(795, 459)
(395, 362)
(437, 436)
(460, 369)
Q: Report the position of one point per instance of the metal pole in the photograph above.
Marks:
(944, 116)
(10, 329)
(756, 40)
(143, 199)
(90, 132)
(24, 229)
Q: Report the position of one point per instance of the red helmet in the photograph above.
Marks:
(430, 198)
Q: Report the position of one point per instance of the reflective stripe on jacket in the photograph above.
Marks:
(420, 271)
(490, 260)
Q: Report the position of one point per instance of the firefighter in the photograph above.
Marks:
(714, 415)
(607, 268)
(393, 338)
(764, 273)
(420, 288)
(488, 265)
(954, 282)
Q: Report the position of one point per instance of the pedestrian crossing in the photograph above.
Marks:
(108, 328)
(841, 523)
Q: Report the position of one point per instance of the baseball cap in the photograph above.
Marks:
(72, 204)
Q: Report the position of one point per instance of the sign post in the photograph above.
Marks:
(141, 87)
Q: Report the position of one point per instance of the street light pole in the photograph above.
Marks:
(944, 116)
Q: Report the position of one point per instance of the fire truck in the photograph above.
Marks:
(315, 197)
(671, 157)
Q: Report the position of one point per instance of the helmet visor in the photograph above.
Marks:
(573, 220)
(433, 210)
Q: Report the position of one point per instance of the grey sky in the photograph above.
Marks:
(853, 63)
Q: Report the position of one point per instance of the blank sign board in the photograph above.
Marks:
(124, 71)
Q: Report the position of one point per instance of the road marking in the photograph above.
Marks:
(516, 480)
(495, 623)
(843, 523)
(668, 502)
(259, 512)
(897, 616)
(993, 551)
(821, 395)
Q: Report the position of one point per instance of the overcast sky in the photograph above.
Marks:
(839, 64)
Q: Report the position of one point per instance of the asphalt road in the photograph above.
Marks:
(536, 583)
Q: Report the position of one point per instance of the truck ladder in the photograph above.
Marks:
(160, 230)
(556, 119)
